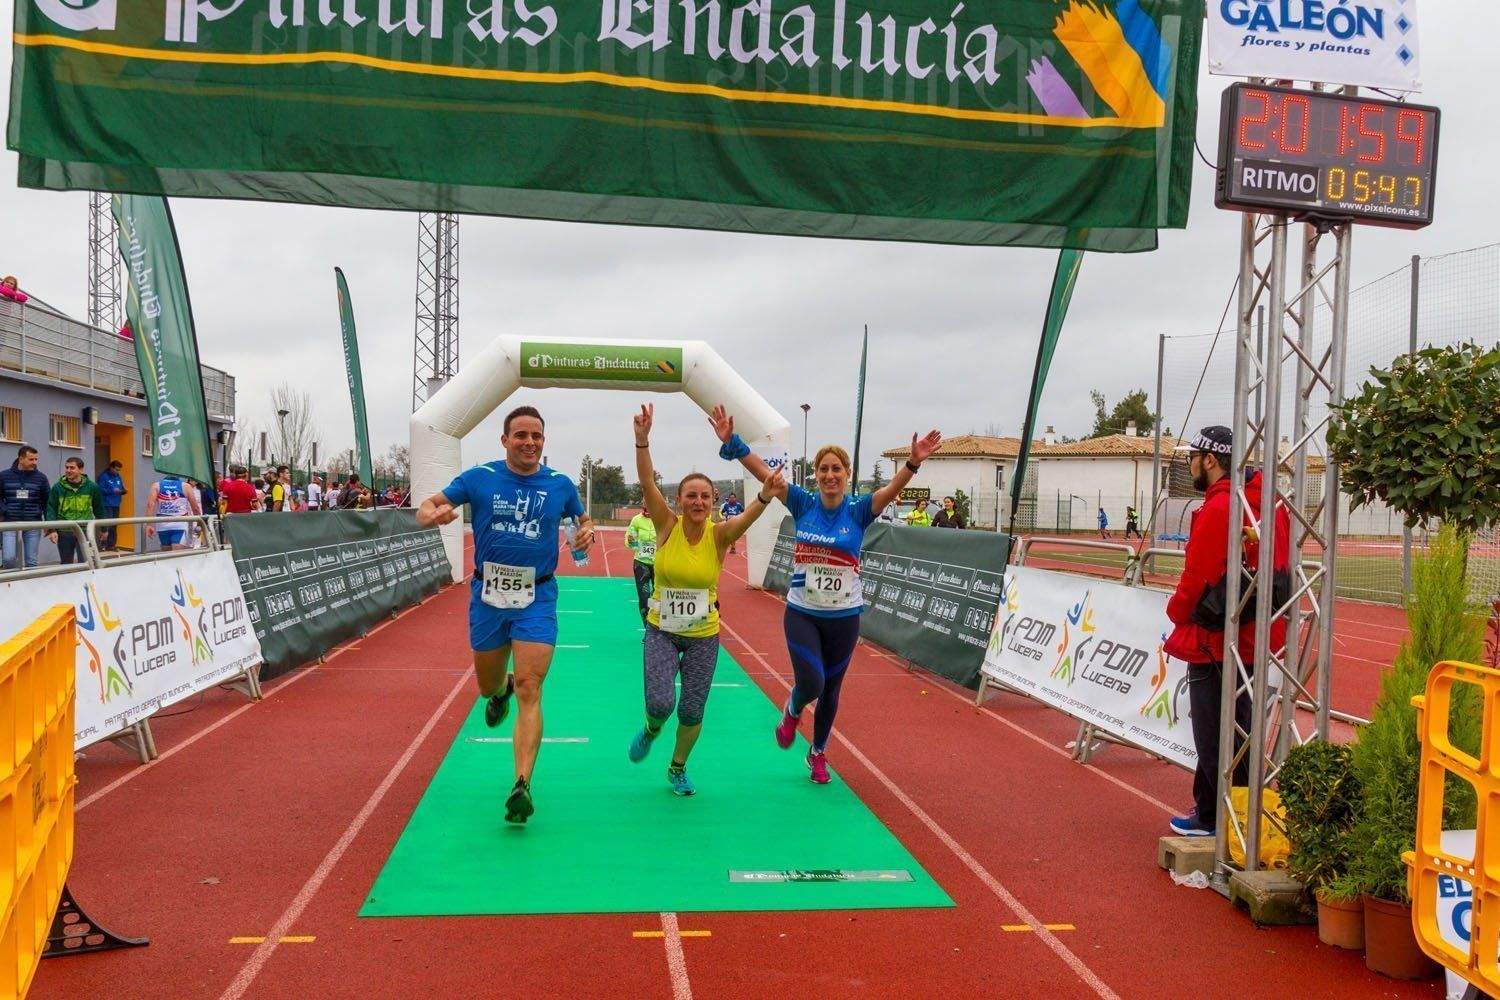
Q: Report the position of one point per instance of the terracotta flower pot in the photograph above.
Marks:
(1341, 923)
(1391, 947)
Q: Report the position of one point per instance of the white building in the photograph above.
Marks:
(978, 465)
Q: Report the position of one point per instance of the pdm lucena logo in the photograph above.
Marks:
(1010, 603)
(185, 601)
(80, 15)
(1078, 632)
(1161, 703)
(95, 624)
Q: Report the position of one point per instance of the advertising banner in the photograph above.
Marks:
(1063, 279)
(314, 578)
(1368, 43)
(355, 375)
(1093, 649)
(149, 634)
(1024, 123)
(930, 596)
(166, 345)
(601, 363)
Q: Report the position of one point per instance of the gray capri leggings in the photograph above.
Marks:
(666, 654)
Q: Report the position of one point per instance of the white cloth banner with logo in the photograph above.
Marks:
(1093, 649)
(1368, 43)
(149, 634)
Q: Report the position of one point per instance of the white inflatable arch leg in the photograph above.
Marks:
(485, 383)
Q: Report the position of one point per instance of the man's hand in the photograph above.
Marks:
(775, 486)
(52, 537)
(722, 423)
(441, 513)
(922, 449)
(584, 539)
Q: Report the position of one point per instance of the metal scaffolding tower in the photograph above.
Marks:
(1287, 690)
(106, 304)
(435, 348)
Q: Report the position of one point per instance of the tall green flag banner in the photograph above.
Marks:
(1025, 122)
(166, 344)
(859, 404)
(1063, 280)
(356, 377)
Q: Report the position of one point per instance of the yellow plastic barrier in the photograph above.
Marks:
(1434, 873)
(36, 788)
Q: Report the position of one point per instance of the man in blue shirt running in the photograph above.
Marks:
(517, 506)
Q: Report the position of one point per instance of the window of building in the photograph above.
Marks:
(10, 424)
(146, 441)
(65, 432)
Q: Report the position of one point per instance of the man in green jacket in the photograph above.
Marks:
(74, 497)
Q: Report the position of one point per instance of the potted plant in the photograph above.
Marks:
(1424, 437)
(1320, 793)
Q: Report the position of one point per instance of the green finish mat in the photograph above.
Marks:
(608, 835)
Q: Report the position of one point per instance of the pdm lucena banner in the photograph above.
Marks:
(1027, 122)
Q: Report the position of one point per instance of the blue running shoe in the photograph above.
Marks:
(681, 783)
(640, 746)
(1190, 826)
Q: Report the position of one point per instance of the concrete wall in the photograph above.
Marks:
(1113, 482)
(122, 422)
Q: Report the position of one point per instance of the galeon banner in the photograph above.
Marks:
(1093, 649)
(1029, 122)
(1366, 43)
(149, 634)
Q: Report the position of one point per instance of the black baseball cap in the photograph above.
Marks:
(1215, 439)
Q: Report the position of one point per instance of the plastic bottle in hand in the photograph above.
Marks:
(580, 556)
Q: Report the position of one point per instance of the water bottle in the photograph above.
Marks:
(580, 556)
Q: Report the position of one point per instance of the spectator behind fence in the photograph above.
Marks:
(315, 493)
(112, 488)
(1132, 522)
(919, 518)
(349, 495)
(23, 497)
(275, 498)
(237, 492)
(10, 290)
(74, 497)
(949, 517)
(1197, 611)
(171, 497)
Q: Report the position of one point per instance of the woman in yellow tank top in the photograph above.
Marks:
(682, 626)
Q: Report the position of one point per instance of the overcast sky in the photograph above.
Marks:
(953, 330)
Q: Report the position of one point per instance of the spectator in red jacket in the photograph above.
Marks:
(10, 290)
(1197, 609)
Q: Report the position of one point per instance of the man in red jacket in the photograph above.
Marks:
(1198, 631)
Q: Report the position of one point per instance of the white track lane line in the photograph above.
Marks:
(682, 989)
(993, 884)
(167, 753)
(942, 685)
(299, 904)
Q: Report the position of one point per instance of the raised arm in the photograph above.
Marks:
(921, 448)
(723, 425)
(656, 504)
(436, 509)
(726, 533)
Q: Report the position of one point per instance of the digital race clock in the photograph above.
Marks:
(1327, 156)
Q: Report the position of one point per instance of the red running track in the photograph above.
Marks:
(274, 819)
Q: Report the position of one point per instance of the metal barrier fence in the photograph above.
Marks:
(87, 534)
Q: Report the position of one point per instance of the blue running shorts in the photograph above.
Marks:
(491, 628)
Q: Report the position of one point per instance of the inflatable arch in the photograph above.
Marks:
(510, 363)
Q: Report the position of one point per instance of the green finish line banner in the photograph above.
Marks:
(931, 594)
(1027, 122)
(601, 363)
(316, 578)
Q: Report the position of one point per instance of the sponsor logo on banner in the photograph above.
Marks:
(186, 606)
(95, 624)
(601, 362)
(1369, 43)
(1095, 650)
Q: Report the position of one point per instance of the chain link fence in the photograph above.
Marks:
(1434, 301)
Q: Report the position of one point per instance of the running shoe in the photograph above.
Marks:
(640, 746)
(680, 782)
(1190, 826)
(817, 766)
(497, 707)
(787, 731)
(518, 807)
